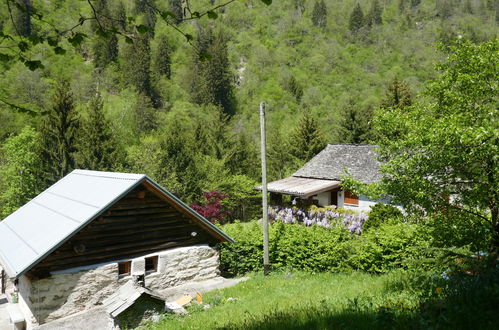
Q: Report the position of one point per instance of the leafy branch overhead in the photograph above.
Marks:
(16, 45)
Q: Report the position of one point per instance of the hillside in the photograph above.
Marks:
(154, 106)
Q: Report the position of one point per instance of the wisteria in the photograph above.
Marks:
(327, 218)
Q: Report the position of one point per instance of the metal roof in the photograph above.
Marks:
(303, 187)
(36, 229)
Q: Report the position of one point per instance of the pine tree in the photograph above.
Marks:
(212, 81)
(105, 49)
(307, 139)
(398, 95)
(136, 67)
(319, 14)
(22, 18)
(375, 13)
(356, 124)
(295, 88)
(144, 114)
(356, 19)
(59, 134)
(163, 61)
(175, 7)
(120, 13)
(97, 148)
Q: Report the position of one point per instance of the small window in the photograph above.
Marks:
(124, 268)
(350, 198)
(151, 264)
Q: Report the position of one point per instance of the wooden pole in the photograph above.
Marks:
(264, 192)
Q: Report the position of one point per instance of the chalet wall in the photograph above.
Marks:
(71, 291)
(138, 224)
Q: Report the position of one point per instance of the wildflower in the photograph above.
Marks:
(438, 290)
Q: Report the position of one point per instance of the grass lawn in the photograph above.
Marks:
(301, 301)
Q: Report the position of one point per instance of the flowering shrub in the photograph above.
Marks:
(213, 208)
(327, 218)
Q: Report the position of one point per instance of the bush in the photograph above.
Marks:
(382, 213)
(317, 249)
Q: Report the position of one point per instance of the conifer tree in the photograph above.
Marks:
(22, 18)
(144, 114)
(212, 81)
(136, 67)
(356, 19)
(175, 7)
(120, 14)
(319, 14)
(307, 139)
(97, 149)
(295, 88)
(356, 124)
(59, 134)
(374, 15)
(105, 50)
(162, 60)
(398, 95)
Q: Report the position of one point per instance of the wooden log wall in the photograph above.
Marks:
(138, 224)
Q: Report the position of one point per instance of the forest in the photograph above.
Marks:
(152, 88)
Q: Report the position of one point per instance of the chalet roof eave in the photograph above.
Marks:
(202, 220)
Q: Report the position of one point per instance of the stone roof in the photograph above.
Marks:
(335, 160)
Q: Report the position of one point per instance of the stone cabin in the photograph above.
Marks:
(318, 182)
(79, 241)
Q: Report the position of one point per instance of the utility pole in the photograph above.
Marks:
(264, 192)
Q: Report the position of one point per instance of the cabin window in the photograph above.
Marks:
(350, 198)
(124, 268)
(151, 264)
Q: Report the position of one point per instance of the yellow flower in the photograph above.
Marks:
(438, 290)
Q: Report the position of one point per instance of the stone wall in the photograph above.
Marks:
(71, 291)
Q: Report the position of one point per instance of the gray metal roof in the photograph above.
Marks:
(125, 296)
(36, 229)
(335, 160)
(303, 187)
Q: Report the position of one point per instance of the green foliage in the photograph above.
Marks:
(382, 213)
(175, 7)
(449, 147)
(22, 18)
(105, 49)
(212, 81)
(137, 64)
(398, 95)
(307, 139)
(356, 19)
(356, 124)
(162, 62)
(316, 249)
(19, 170)
(374, 17)
(97, 148)
(59, 134)
(319, 14)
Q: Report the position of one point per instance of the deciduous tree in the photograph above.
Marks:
(448, 156)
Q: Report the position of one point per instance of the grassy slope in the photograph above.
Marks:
(297, 301)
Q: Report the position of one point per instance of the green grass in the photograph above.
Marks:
(300, 301)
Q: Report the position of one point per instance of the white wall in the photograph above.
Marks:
(74, 290)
